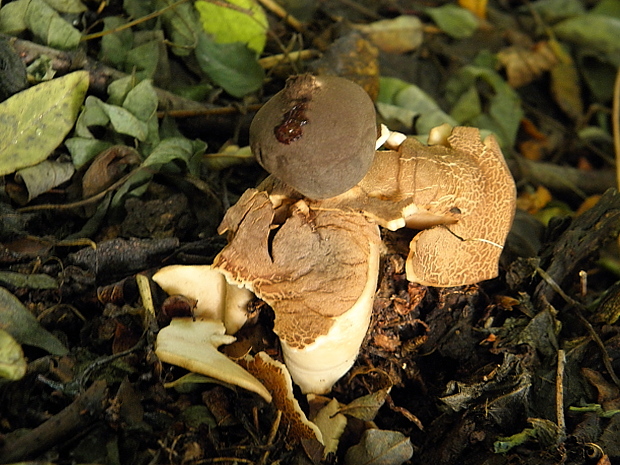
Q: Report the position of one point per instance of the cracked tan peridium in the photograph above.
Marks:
(310, 268)
(459, 192)
(308, 258)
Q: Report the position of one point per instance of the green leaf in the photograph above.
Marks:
(182, 27)
(115, 46)
(24, 327)
(503, 112)
(606, 8)
(406, 102)
(13, 17)
(504, 444)
(44, 176)
(32, 281)
(227, 24)
(12, 362)
(196, 415)
(380, 447)
(176, 149)
(552, 11)
(67, 6)
(142, 101)
(231, 66)
(34, 122)
(455, 21)
(144, 59)
(46, 23)
(594, 33)
(84, 149)
(98, 113)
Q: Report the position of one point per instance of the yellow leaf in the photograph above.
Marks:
(477, 7)
(35, 121)
(242, 21)
(565, 82)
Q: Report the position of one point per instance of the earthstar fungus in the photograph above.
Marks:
(316, 261)
(307, 240)
(317, 269)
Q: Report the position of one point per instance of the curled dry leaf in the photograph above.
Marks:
(524, 65)
(108, 167)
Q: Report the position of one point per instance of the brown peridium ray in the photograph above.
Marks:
(307, 240)
(458, 191)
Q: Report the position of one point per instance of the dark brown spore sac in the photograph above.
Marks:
(317, 135)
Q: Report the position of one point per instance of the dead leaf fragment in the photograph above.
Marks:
(477, 7)
(380, 447)
(366, 407)
(352, 57)
(398, 35)
(565, 84)
(332, 424)
(12, 362)
(42, 177)
(525, 65)
(533, 202)
(108, 167)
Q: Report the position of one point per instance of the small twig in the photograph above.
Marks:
(274, 60)
(404, 412)
(559, 395)
(83, 411)
(79, 203)
(283, 14)
(232, 460)
(615, 121)
(131, 24)
(578, 307)
(361, 9)
(272, 436)
(85, 375)
(209, 111)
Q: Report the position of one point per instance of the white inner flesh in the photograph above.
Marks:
(316, 367)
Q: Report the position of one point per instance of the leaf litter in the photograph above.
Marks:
(520, 368)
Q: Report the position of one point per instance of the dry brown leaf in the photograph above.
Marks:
(107, 168)
(398, 35)
(587, 204)
(565, 82)
(534, 202)
(352, 57)
(524, 65)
